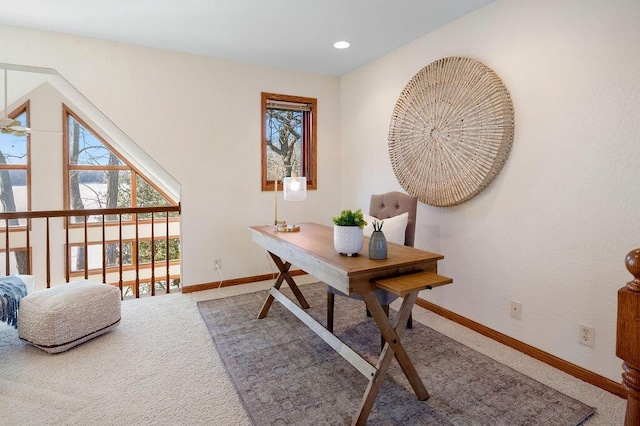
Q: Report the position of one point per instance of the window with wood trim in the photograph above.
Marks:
(15, 183)
(128, 253)
(97, 177)
(14, 168)
(289, 141)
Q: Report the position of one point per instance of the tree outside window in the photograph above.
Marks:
(288, 138)
(98, 178)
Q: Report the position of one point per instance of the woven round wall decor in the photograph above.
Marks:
(451, 131)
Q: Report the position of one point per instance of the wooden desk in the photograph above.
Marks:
(312, 250)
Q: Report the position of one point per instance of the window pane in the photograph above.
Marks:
(144, 250)
(17, 262)
(148, 196)
(16, 199)
(288, 138)
(13, 149)
(113, 254)
(95, 256)
(98, 189)
(284, 141)
(86, 149)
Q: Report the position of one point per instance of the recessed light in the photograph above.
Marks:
(341, 44)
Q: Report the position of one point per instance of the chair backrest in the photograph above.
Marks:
(393, 203)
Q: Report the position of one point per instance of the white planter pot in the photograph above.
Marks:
(347, 239)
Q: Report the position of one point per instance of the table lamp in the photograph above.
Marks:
(295, 189)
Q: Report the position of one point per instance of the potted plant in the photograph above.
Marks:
(347, 232)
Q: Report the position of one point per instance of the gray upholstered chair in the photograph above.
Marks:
(383, 206)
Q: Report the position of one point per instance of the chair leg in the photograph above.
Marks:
(330, 303)
(385, 308)
(410, 321)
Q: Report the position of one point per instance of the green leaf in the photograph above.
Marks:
(350, 218)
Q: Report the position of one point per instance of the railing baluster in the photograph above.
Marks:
(7, 270)
(137, 261)
(153, 257)
(120, 256)
(67, 252)
(48, 256)
(104, 253)
(166, 247)
(28, 265)
(86, 249)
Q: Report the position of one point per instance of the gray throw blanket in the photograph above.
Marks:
(12, 289)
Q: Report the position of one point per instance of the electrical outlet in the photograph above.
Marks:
(516, 309)
(217, 263)
(587, 335)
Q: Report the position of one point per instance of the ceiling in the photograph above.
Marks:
(292, 34)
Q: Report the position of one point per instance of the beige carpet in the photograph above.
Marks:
(160, 367)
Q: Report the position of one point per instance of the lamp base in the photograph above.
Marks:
(283, 227)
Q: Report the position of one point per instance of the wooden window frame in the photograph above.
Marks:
(127, 166)
(14, 250)
(309, 165)
(125, 266)
(24, 108)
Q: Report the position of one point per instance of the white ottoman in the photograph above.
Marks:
(59, 318)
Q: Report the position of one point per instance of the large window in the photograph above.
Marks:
(288, 138)
(14, 181)
(96, 177)
(14, 168)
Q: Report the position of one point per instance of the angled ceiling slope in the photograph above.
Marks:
(111, 132)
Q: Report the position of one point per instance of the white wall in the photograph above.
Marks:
(199, 118)
(553, 228)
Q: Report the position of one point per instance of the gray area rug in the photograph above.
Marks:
(285, 374)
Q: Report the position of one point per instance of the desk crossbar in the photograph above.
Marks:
(338, 345)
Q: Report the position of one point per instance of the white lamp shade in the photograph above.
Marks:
(295, 188)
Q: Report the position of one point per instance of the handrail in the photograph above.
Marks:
(89, 212)
(628, 338)
(67, 214)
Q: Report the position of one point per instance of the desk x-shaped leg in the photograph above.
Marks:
(283, 267)
(392, 347)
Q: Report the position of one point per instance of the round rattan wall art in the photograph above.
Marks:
(451, 131)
